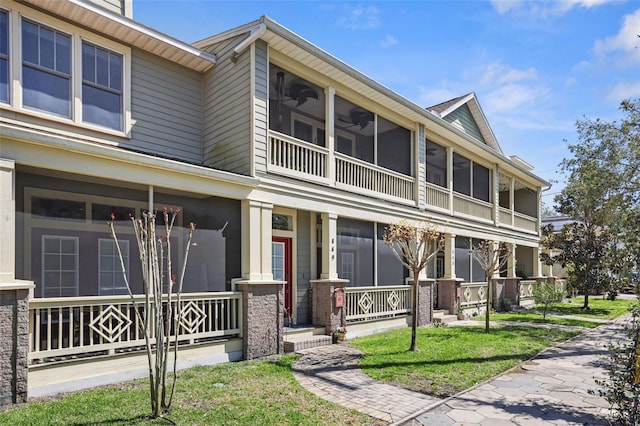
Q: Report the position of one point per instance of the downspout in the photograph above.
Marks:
(257, 32)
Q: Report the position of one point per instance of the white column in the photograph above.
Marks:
(449, 256)
(329, 246)
(250, 234)
(511, 263)
(266, 218)
(496, 195)
(537, 265)
(450, 183)
(150, 198)
(7, 221)
(496, 254)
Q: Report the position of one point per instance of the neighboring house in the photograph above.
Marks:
(557, 222)
(290, 162)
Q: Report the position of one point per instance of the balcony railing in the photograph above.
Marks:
(371, 303)
(473, 294)
(522, 221)
(505, 216)
(437, 196)
(472, 207)
(72, 327)
(373, 179)
(293, 157)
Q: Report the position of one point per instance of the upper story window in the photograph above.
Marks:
(46, 69)
(4, 56)
(101, 86)
(64, 73)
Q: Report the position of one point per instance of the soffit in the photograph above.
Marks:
(126, 31)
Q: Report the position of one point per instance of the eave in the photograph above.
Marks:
(126, 31)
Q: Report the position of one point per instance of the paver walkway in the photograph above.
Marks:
(551, 389)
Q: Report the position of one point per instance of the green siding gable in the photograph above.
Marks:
(463, 119)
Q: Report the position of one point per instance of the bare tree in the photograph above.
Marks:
(155, 314)
(414, 246)
(492, 257)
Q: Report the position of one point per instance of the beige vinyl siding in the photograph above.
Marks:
(463, 119)
(422, 166)
(303, 265)
(261, 100)
(166, 108)
(227, 110)
(116, 6)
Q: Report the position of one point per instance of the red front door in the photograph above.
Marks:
(281, 266)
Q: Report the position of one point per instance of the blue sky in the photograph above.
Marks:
(536, 66)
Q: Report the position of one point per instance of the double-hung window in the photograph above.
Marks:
(101, 86)
(46, 69)
(4, 56)
(110, 279)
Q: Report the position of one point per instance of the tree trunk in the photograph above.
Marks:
(486, 313)
(414, 319)
(586, 300)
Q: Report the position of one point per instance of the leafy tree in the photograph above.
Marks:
(492, 257)
(622, 390)
(414, 246)
(547, 293)
(155, 314)
(602, 196)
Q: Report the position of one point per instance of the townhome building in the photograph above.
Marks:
(290, 161)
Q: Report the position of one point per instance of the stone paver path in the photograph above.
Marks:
(332, 373)
(551, 389)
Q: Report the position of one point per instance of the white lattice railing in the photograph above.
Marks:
(374, 179)
(290, 155)
(370, 303)
(68, 327)
(473, 294)
(526, 289)
(437, 196)
(472, 207)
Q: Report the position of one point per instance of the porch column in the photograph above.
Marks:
(537, 265)
(425, 301)
(496, 196)
(511, 263)
(421, 175)
(450, 178)
(329, 246)
(14, 299)
(330, 130)
(256, 240)
(512, 202)
(449, 256)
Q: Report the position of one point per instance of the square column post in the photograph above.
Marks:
(14, 299)
(250, 232)
(449, 256)
(329, 117)
(329, 246)
(511, 263)
(266, 232)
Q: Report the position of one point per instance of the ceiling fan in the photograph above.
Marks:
(298, 92)
(358, 117)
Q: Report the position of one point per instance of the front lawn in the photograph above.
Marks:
(534, 317)
(451, 359)
(598, 307)
(242, 393)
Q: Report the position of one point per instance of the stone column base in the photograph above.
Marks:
(325, 313)
(263, 317)
(449, 294)
(14, 346)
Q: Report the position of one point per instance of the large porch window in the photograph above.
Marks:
(372, 138)
(470, 178)
(436, 164)
(467, 267)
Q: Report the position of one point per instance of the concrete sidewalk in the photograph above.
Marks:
(551, 389)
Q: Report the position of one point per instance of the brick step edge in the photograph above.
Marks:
(294, 345)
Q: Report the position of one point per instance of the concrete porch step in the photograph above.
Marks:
(445, 319)
(438, 312)
(296, 343)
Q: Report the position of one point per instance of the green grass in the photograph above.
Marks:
(598, 307)
(451, 359)
(243, 393)
(533, 317)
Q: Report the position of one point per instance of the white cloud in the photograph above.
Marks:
(626, 41)
(360, 18)
(388, 41)
(543, 8)
(623, 91)
(512, 97)
(433, 96)
(499, 74)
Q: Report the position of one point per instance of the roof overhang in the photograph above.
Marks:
(126, 31)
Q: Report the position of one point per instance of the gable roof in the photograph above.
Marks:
(478, 126)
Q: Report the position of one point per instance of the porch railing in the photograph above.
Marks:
(473, 294)
(472, 207)
(71, 327)
(369, 177)
(291, 156)
(522, 221)
(371, 303)
(437, 196)
(505, 216)
(526, 289)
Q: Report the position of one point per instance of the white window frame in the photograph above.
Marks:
(60, 270)
(15, 14)
(315, 124)
(8, 58)
(103, 289)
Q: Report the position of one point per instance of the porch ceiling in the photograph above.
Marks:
(125, 30)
